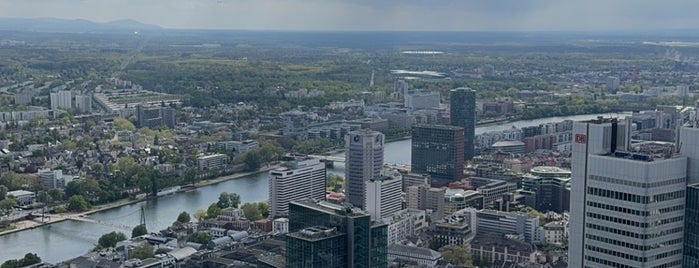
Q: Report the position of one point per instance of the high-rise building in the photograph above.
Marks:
(627, 200)
(83, 103)
(299, 179)
(438, 150)
(363, 162)
(424, 197)
(383, 196)
(61, 100)
(691, 228)
(323, 234)
(463, 114)
(612, 83)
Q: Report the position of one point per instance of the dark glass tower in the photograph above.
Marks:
(463, 114)
(438, 151)
(691, 228)
(323, 234)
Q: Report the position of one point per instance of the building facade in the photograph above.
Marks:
(303, 178)
(363, 162)
(383, 196)
(438, 151)
(627, 208)
(463, 114)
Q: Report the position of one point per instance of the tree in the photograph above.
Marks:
(458, 255)
(213, 211)
(109, 240)
(263, 207)
(200, 214)
(252, 211)
(42, 196)
(139, 230)
(200, 238)
(3, 192)
(29, 259)
(252, 161)
(184, 217)
(77, 203)
(121, 123)
(226, 200)
(56, 195)
(143, 252)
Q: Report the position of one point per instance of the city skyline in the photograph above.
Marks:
(509, 15)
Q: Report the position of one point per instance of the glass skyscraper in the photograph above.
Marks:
(691, 228)
(463, 114)
(438, 151)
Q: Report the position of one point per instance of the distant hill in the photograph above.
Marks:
(72, 26)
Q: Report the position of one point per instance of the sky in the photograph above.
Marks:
(442, 15)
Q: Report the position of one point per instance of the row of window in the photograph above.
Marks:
(634, 246)
(607, 262)
(632, 234)
(617, 220)
(638, 184)
(616, 253)
(617, 209)
(676, 263)
(634, 197)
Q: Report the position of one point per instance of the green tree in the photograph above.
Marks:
(3, 192)
(109, 240)
(252, 211)
(121, 123)
(213, 211)
(77, 203)
(334, 181)
(139, 231)
(184, 217)
(30, 258)
(252, 161)
(200, 238)
(226, 200)
(263, 207)
(42, 196)
(56, 195)
(200, 215)
(458, 255)
(143, 252)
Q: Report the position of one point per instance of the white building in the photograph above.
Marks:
(363, 161)
(61, 100)
(83, 103)
(627, 201)
(383, 196)
(405, 223)
(23, 198)
(422, 100)
(303, 178)
(214, 161)
(555, 232)
(424, 257)
(280, 225)
(509, 223)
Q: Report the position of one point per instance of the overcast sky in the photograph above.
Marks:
(447, 15)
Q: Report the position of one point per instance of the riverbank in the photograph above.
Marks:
(53, 218)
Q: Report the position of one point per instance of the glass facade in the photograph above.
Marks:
(438, 151)
(463, 114)
(322, 251)
(691, 232)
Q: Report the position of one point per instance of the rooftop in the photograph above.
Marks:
(413, 250)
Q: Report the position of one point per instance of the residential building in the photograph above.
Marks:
(363, 162)
(298, 179)
(61, 100)
(416, 99)
(383, 196)
(438, 151)
(455, 230)
(405, 223)
(555, 232)
(323, 234)
(463, 114)
(83, 103)
(214, 161)
(627, 200)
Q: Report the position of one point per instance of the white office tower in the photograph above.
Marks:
(363, 162)
(627, 201)
(300, 179)
(383, 196)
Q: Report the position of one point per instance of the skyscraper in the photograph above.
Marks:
(438, 151)
(691, 228)
(323, 234)
(627, 201)
(363, 161)
(303, 178)
(463, 114)
(61, 100)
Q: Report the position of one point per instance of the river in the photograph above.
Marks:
(69, 239)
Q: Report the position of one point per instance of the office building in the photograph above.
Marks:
(363, 161)
(509, 223)
(627, 200)
(323, 234)
(214, 161)
(405, 223)
(549, 187)
(691, 228)
(458, 199)
(383, 196)
(423, 257)
(422, 100)
(61, 100)
(463, 114)
(299, 179)
(438, 151)
(454, 230)
(410, 179)
(425, 197)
